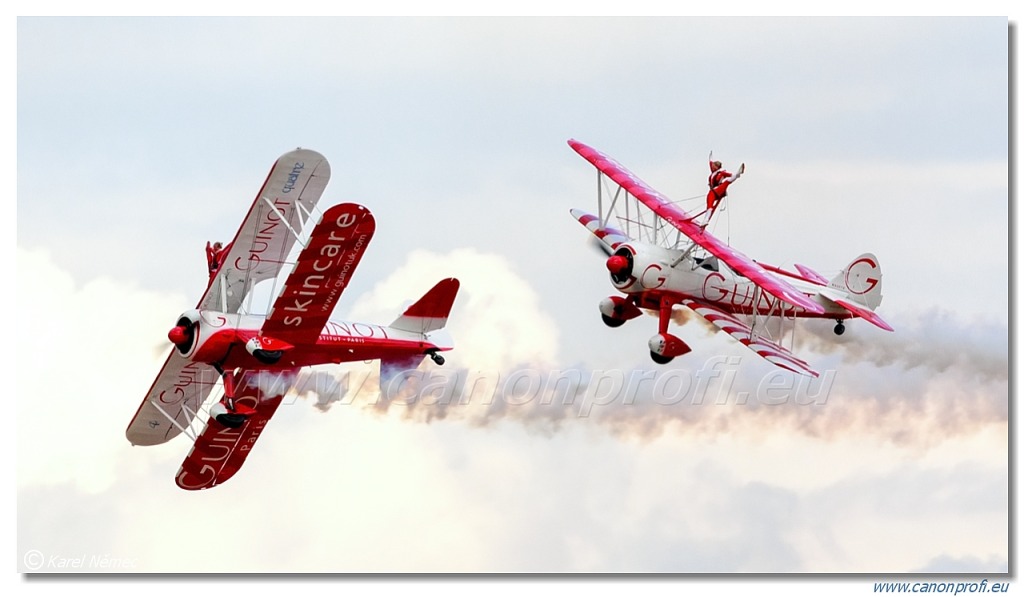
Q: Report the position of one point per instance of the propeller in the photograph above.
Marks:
(183, 334)
(596, 245)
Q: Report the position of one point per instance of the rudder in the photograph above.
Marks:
(861, 280)
(431, 311)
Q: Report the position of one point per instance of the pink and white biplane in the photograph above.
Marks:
(667, 258)
(255, 358)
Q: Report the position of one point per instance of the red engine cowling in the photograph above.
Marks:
(203, 336)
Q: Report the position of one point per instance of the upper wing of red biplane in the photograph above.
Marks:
(281, 208)
(321, 274)
(683, 221)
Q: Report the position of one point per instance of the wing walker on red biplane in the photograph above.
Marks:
(255, 358)
(660, 256)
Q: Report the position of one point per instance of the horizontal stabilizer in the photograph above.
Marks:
(810, 274)
(858, 310)
(431, 311)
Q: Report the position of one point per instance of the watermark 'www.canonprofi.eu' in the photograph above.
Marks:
(583, 391)
(948, 588)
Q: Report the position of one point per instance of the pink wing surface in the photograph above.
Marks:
(261, 246)
(683, 221)
(767, 349)
(321, 274)
(219, 451)
(812, 275)
(180, 388)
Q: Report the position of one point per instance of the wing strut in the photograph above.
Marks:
(187, 431)
(284, 220)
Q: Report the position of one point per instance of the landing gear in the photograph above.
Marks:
(840, 328)
(231, 420)
(616, 311)
(268, 357)
(611, 321)
(663, 345)
(438, 359)
(228, 412)
(660, 359)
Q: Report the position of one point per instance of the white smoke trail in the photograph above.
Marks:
(934, 340)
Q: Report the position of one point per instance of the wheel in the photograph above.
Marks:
(437, 358)
(231, 420)
(611, 321)
(661, 359)
(268, 357)
(839, 329)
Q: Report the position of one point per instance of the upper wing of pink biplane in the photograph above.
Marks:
(672, 214)
(321, 274)
(267, 234)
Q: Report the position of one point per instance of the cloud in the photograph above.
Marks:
(497, 321)
(87, 354)
(969, 564)
(494, 497)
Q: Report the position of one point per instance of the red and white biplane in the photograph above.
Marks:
(255, 358)
(666, 258)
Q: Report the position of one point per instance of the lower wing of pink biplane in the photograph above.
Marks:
(768, 349)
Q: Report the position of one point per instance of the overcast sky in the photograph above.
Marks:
(141, 139)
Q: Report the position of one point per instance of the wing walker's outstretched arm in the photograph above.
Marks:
(718, 185)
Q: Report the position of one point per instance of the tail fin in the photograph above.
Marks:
(431, 311)
(861, 281)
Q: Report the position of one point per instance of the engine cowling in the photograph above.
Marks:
(185, 332)
(640, 267)
(620, 266)
(204, 336)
